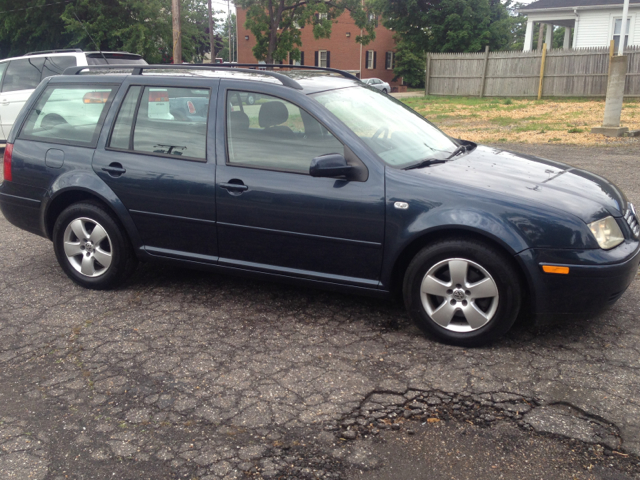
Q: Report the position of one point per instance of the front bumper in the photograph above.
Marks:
(596, 279)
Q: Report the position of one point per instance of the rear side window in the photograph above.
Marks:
(121, 135)
(3, 68)
(69, 114)
(166, 121)
(23, 74)
(57, 65)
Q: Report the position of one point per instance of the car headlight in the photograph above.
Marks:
(607, 232)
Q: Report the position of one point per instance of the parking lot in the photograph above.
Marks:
(185, 374)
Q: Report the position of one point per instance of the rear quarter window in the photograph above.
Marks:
(23, 74)
(69, 114)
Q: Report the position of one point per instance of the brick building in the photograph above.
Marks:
(339, 51)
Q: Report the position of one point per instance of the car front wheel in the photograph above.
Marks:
(384, 90)
(463, 292)
(92, 247)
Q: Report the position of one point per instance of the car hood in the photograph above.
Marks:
(533, 180)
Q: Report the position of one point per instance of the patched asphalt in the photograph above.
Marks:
(186, 374)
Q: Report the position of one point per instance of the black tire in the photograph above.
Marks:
(384, 90)
(484, 264)
(114, 246)
(251, 99)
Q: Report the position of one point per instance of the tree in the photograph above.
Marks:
(29, 25)
(409, 63)
(276, 24)
(448, 25)
(137, 26)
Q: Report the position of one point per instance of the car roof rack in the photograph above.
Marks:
(290, 67)
(138, 69)
(64, 50)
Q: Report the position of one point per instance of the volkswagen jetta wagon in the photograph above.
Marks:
(321, 181)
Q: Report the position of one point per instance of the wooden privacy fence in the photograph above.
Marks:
(555, 73)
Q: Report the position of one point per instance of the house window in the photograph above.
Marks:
(321, 16)
(617, 30)
(296, 62)
(371, 59)
(389, 61)
(373, 19)
(323, 58)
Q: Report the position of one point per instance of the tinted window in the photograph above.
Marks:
(170, 121)
(57, 65)
(122, 128)
(3, 68)
(114, 59)
(23, 74)
(275, 134)
(68, 114)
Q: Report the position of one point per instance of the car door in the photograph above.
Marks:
(272, 215)
(159, 162)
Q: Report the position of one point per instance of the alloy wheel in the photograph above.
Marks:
(459, 295)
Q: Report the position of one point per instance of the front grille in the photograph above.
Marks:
(631, 219)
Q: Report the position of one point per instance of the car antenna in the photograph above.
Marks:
(94, 42)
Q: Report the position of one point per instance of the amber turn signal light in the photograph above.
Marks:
(555, 269)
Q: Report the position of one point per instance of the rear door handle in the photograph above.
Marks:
(239, 187)
(114, 169)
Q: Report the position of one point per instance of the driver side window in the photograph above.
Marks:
(271, 133)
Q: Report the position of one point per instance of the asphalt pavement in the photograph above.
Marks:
(187, 374)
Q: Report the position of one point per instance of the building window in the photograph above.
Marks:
(296, 62)
(321, 16)
(323, 58)
(371, 59)
(373, 18)
(389, 61)
(617, 30)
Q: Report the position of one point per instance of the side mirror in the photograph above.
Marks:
(331, 165)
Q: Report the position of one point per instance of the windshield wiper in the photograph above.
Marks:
(424, 163)
(458, 151)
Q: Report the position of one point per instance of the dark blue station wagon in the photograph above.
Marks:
(309, 176)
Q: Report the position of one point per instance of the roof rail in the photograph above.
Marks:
(138, 69)
(291, 67)
(64, 50)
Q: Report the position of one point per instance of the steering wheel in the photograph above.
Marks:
(381, 130)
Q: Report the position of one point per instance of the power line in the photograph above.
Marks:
(35, 6)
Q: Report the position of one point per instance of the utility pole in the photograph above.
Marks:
(177, 33)
(211, 41)
(229, 31)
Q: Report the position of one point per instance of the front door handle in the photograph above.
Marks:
(114, 169)
(235, 187)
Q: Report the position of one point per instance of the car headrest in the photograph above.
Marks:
(239, 120)
(272, 113)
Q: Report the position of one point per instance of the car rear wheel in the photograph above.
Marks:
(384, 90)
(463, 292)
(251, 99)
(92, 247)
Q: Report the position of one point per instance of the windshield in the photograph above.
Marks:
(400, 136)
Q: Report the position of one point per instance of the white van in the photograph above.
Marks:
(19, 76)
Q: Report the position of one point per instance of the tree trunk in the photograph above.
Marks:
(276, 18)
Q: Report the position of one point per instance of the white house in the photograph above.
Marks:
(594, 22)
